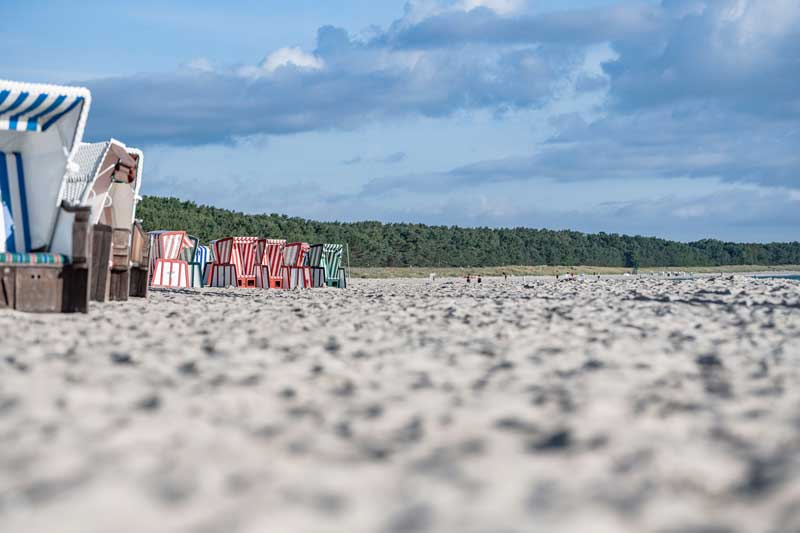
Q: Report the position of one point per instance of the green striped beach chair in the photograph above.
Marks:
(325, 261)
(45, 241)
(197, 265)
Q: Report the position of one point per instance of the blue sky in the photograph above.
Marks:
(674, 118)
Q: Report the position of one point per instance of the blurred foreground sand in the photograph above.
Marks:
(404, 405)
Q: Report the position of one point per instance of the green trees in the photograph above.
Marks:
(373, 244)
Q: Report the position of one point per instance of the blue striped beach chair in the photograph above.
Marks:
(45, 248)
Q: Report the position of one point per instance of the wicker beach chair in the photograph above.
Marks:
(45, 241)
(168, 268)
(269, 263)
(109, 182)
(296, 272)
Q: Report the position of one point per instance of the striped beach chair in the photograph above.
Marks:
(109, 181)
(269, 263)
(45, 248)
(235, 260)
(245, 250)
(169, 269)
(325, 261)
(191, 254)
(202, 256)
(222, 271)
(296, 272)
(210, 260)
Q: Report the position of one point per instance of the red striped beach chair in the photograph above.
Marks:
(244, 257)
(234, 264)
(269, 263)
(169, 269)
(222, 272)
(296, 274)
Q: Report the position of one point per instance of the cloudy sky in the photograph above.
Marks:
(674, 118)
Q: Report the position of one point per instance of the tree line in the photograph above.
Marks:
(375, 244)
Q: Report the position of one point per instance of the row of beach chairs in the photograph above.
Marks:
(179, 261)
(68, 232)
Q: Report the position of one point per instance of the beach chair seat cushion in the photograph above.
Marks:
(7, 258)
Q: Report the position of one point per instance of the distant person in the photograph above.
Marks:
(505, 276)
(468, 280)
(479, 279)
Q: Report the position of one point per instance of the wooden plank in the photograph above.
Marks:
(7, 287)
(75, 295)
(120, 285)
(120, 244)
(139, 278)
(101, 256)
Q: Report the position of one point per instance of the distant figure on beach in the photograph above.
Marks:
(505, 276)
(479, 279)
(468, 278)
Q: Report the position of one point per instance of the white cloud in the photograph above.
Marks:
(502, 7)
(291, 56)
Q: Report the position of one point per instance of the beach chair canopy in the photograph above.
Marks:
(294, 254)
(109, 180)
(41, 127)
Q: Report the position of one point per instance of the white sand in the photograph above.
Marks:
(400, 406)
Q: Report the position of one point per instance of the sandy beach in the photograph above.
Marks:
(409, 406)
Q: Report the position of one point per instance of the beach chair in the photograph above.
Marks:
(244, 257)
(269, 263)
(202, 255)
(325, 261)
(235, 261)
(210, 260)
(109, 181)
(296, 272)
(316, 262)
(45, 241)
(222, 272)
(196, 268)
(169, 270)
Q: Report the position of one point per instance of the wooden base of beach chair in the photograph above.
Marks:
(120, 285)
(101, 257)
(139, 280)
(45, 289)
(51, 288)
